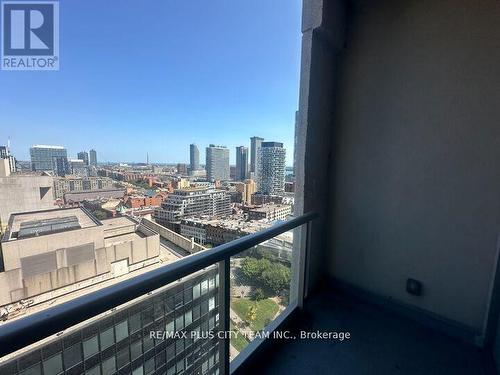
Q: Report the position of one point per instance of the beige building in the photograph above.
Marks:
(246, 188)
(72, 184)
(55, 252)
(22, 192)
(270, 212)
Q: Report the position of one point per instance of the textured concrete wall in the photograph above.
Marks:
(22, 193)
(173, 237)
(14, 285)
(415, 187)
(322, 38)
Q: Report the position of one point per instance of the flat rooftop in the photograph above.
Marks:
(128, 237)
(117, 222)
(39, 223)
(271, 207)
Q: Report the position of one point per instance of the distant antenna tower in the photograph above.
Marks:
(147, 158)
(8, 146)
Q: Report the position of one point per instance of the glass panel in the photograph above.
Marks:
(90, 347)
(109, 366)
(113, 340)
(33, 370)
(122, 358)
(72, 356)
(263, 280)
(53, 365)
(136, 349)
(94, 371)
(121, 330)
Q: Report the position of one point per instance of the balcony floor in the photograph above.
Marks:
(382, 343)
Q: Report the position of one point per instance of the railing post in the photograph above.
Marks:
(303, 260)
(224, 314)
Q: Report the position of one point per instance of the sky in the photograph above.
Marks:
(153, 76)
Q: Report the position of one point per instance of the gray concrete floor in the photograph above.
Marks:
(382, 343)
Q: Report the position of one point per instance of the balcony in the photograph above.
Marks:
(397, 151)
(195, 315)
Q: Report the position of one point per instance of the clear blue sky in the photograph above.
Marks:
(154, 76)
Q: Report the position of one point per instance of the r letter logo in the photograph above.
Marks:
(30, 35)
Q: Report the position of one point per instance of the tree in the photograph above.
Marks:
(266, 254)
(253, 268)
(101, 215)
(258, 294)
(277, 277)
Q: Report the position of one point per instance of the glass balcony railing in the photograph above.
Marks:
(193, 316)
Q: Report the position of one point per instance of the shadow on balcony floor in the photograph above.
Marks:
(382, 343)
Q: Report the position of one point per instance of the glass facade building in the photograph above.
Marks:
(49, 158)
(217, 163)
(142, 337)
(194, 158)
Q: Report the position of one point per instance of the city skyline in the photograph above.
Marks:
(126, 98)
(79, 155)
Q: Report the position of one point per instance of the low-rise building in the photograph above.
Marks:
(92, 195)
(270, 212)
(206, 230)
(71, 184)
(138, 201)
(284, 198)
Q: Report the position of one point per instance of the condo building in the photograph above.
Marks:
(193, 202)
(46, 158)
(84, 155)
(194, 158)
(241, 163)
(217, 163)
(255, 143)
(93, 157)
(271, 175)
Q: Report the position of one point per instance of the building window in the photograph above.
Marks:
(179, 322)
(107, 338)
(148, 343)
(196, 312)
(188, 318)
(53, 365)
(121, 330)
(94, 371)
(204, 287)
(136, 349)
(72, 356)
(122, 358)
(196, 291)
(170, 327)
(211, 303)
(90, 347)
(109, 366)
(135, 322)
(149, 366)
